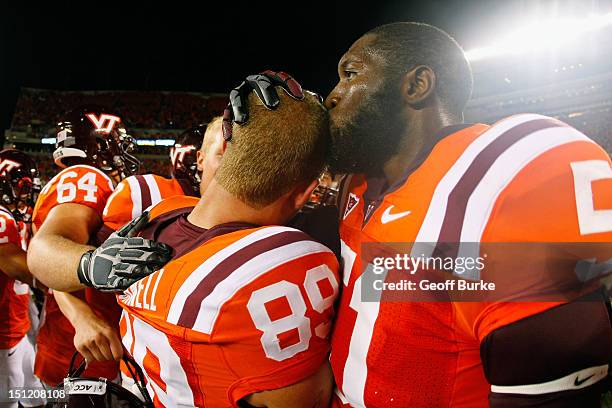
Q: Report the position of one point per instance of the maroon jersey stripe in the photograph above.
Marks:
(145, 192)
(450, 231)
(226, 267)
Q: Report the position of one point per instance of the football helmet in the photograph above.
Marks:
(89, 135)
(19, 182)
(86, 392)
(325, 194)
(184, 155)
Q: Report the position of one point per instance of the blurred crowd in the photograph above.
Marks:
(150, 110)
(147, 115)
(595, 124)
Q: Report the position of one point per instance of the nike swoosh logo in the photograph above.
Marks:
(388, 217)
(578, 382)
(10, 354)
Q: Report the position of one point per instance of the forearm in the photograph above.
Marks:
(14, 264)
(94, 338)
(54, 260)
(73, 308)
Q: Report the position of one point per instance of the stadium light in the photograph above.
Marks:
(155, 142)
(164, 142)
(547, 34)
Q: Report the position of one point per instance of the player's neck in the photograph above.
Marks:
(218, 206)
(420, 136)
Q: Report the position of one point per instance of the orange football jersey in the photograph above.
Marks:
(137, 193)
(80, 184)
(239, 309)
(87, 186)
(527, 178)
(14, 295)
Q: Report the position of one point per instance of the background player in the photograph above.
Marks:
(95, 153)
(192, 170)
(190, 165)
(243, 311)
(19, 186)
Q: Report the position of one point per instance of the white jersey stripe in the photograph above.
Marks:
(503, 171)
(203, 270)
(498, 177)
(136, 195)
(153, 188)
(355, 374)
(127, 339)
(246, 273)
(432, 222)
(348, 260)
(584, 378)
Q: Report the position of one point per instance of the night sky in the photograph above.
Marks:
(210, 47)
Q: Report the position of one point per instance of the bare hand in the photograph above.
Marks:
(96, 340)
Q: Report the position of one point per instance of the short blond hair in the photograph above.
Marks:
(275, 149)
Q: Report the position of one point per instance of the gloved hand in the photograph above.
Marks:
(263, 84)
(123, 259)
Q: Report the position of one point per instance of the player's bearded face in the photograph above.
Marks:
(369, 137)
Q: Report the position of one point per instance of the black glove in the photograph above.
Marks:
(263, 84)
(123, 259)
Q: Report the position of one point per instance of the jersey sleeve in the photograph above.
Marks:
(9, 231)
(119, 208)
(82, 185)
(557, 215)
(274, 331)
(136, 194)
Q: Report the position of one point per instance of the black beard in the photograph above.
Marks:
(369, 139)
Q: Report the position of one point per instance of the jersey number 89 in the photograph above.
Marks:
(297, 319)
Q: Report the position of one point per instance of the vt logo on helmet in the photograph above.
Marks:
(184, 156)
(19, 182)
(178, 152)
(89, 135)
(7, 165)
(104, 123)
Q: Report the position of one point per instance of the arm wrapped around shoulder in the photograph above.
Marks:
(123, 259)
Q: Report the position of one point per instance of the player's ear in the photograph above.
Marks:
(302, 193)
(418, 86)
(200, 160)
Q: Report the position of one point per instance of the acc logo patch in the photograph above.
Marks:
(353, 200)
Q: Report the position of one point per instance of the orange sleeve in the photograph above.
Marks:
(172, 203)
(9, 232)
(81, 184)
(119, 207)
(555, 213)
